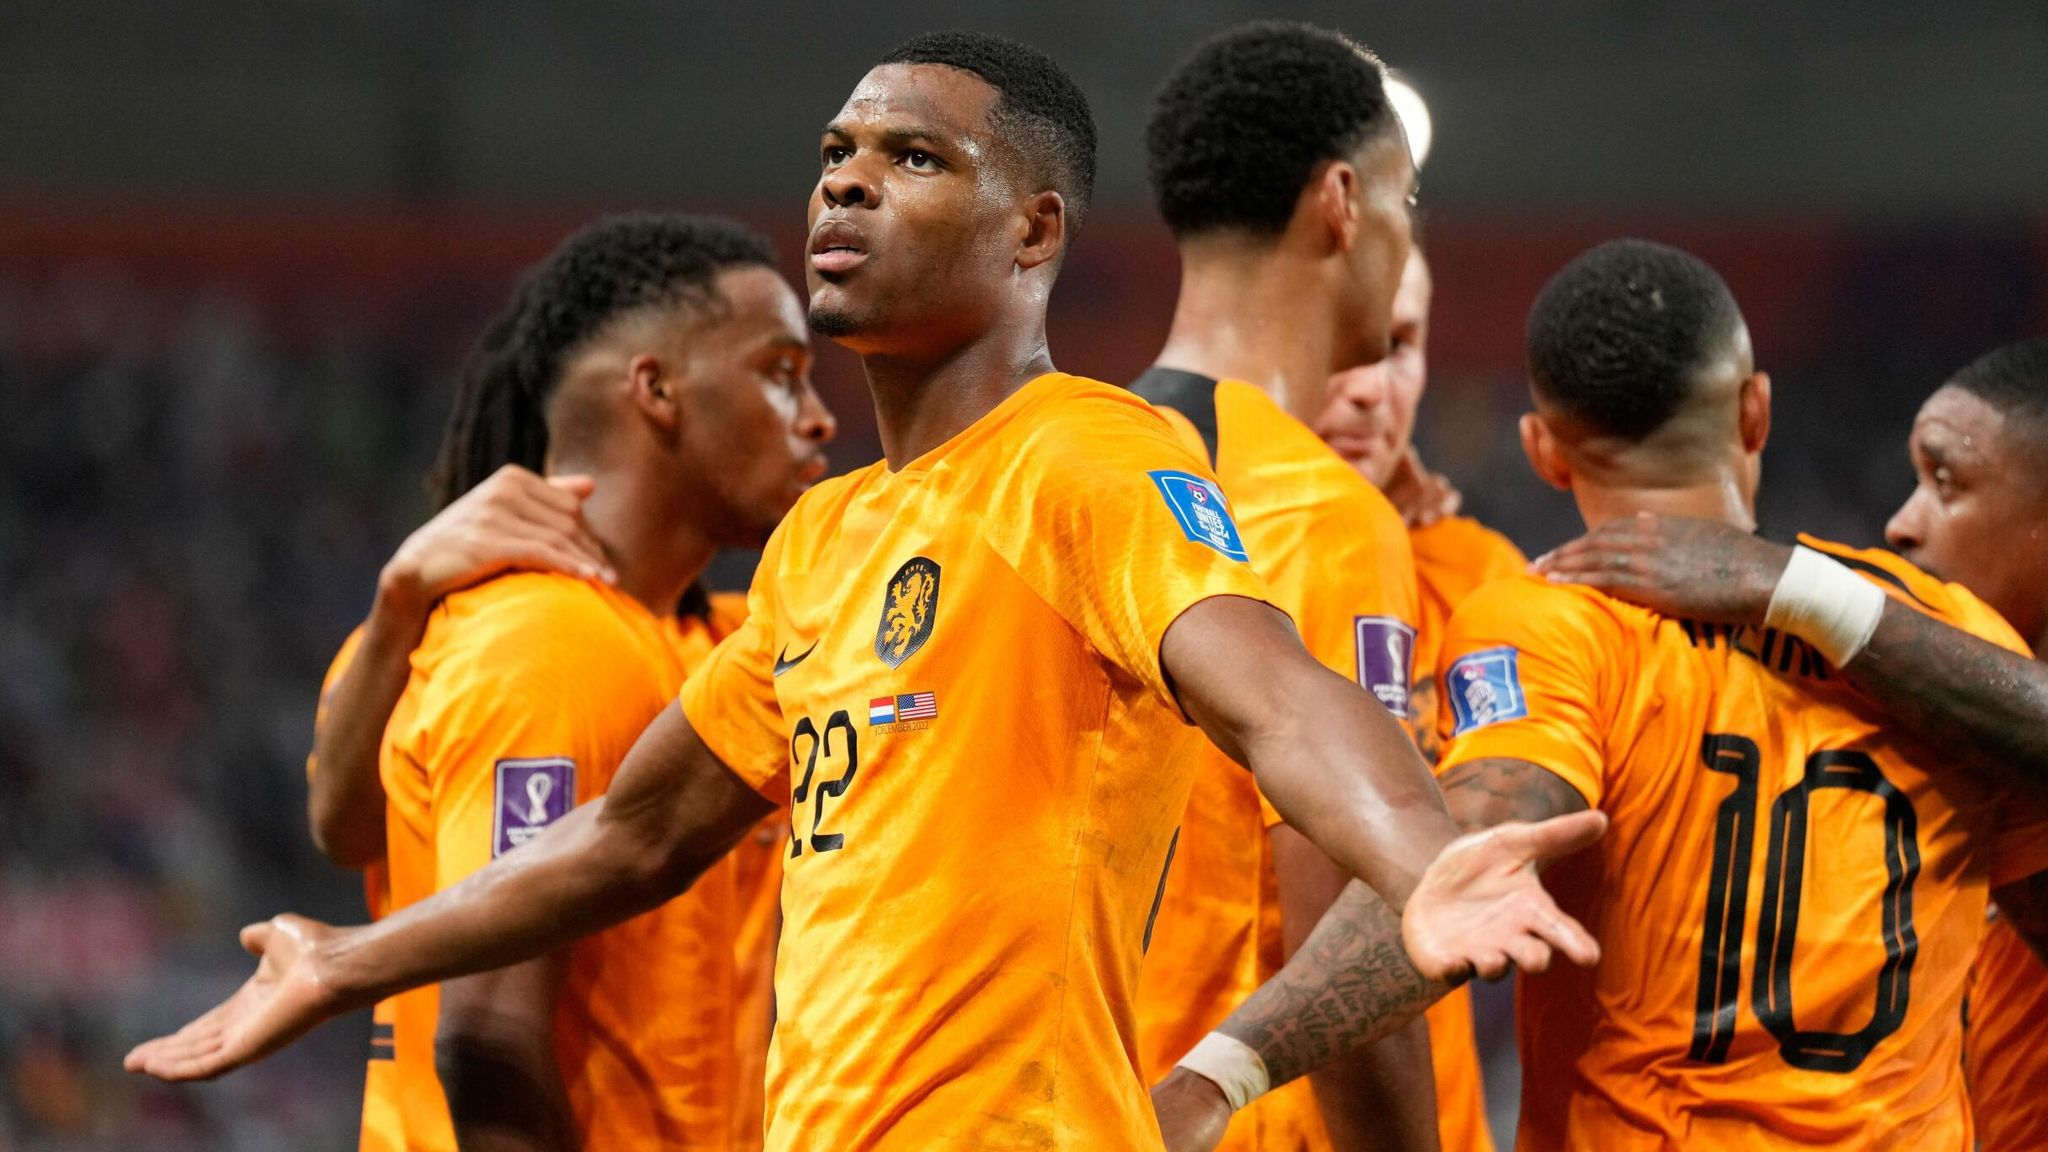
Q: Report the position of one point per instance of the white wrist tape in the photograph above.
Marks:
(1825, 604)
(1231, 1065)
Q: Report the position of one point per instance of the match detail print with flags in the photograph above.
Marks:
(897, 709)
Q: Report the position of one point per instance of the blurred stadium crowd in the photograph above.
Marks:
(200, 476)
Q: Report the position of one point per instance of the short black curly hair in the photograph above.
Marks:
(617, 265)
(2014, 380)
(1617, 337)
(1240, 125)
(1039, 110)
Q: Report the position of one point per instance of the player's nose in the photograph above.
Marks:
(1363, 387)
(850, 185)
(1904, 531)
(814, 421)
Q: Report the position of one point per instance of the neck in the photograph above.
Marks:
(1254, 311)
(656, 548)
(1719, 498)
(923, 401)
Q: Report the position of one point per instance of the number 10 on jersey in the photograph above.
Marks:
(1777, 927)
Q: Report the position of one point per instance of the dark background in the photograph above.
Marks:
(244, 246)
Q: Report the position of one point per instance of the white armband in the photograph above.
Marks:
(1231, 1065)
(1823, 603)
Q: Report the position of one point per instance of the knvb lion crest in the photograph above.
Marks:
(908, 608)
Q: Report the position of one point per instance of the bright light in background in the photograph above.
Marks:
(1414, 116)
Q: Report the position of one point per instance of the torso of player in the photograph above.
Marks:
(1335, 554)
(1787, 899)
(645, 1019)
(981, 800)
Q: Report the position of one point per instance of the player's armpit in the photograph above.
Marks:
(494, 1051)
(2024, 905)
(673, 809)
(1483, 793)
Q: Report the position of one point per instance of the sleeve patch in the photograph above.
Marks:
(532, 794)
(1386, 659)
(1485, 688)
(1198, 506)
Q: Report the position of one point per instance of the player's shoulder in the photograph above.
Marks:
(1463, 544)
(1903, 579)
(525, 619)
(1074, 413)
(1522, 603)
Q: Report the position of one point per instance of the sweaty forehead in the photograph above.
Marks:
(1960, 426)
(951, 101)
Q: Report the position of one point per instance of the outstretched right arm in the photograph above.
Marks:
(673, 809)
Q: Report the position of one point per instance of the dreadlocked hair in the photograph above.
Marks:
(616, 266)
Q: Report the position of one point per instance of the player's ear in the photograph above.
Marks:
(1545, 454)
(655, 390)
(1753, 412)
(1332, 201)
(1045, 229)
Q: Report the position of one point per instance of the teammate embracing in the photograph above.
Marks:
(659, 360)
(1814, 869)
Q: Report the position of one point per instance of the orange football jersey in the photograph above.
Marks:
(1453, 557)
(383, 1126)
(2005, 1045)
(526, 693)
(1335, 554)
(1788, 898)
(951, 672)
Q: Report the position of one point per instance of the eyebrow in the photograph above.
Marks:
(897, 135)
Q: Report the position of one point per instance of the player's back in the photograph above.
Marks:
(1788, 897)
(1334, 551)
(527, 692)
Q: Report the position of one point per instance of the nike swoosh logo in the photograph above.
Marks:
(783, 663)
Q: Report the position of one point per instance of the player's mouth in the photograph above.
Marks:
(811, 470)
(837, 248)
(1354, 445)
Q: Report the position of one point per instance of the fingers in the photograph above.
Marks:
(1554, 838)
(578, 486)
(255, 940)
(1529, 953)
(180, 1056)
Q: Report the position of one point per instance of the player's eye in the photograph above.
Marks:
(1944, 480)
(920, 161)
(836, 154)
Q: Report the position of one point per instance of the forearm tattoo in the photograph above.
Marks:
(1349, 984)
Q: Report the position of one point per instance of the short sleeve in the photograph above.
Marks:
(1519, 678)
(1119, 527)
(529, 715)
(336, 669)
(730, 698)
